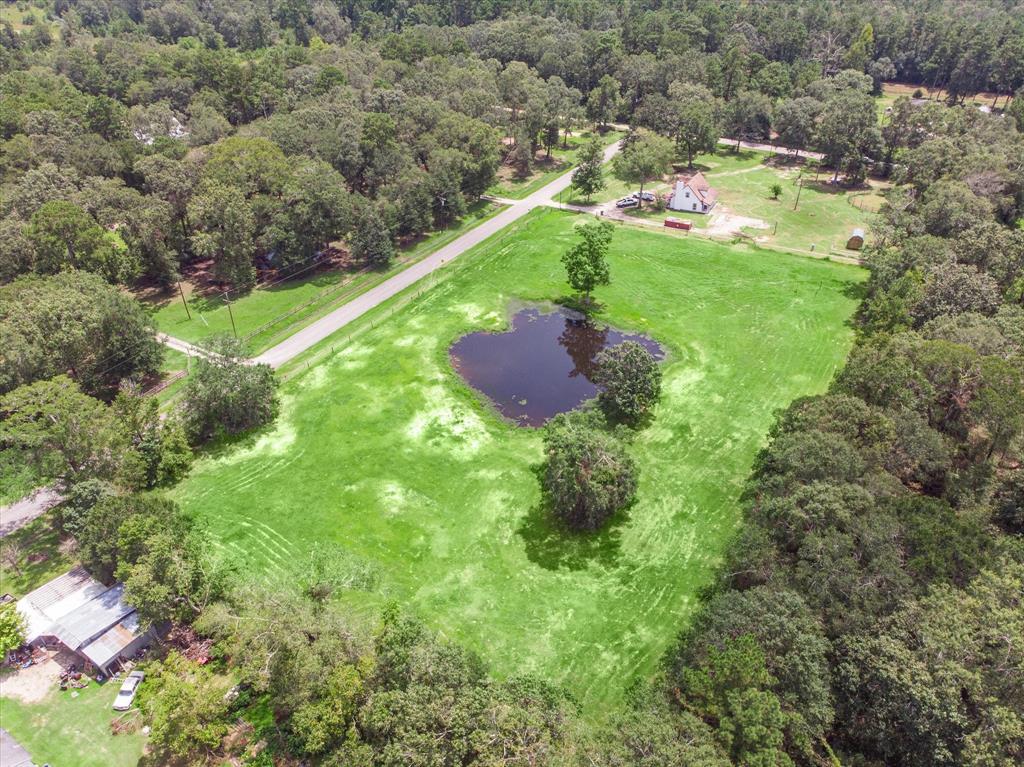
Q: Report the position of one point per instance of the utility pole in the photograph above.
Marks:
(798, 190)
(231, 315)
(183, 301)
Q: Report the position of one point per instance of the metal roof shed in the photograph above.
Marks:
(94, 618)
(48, 604)
(122, 639)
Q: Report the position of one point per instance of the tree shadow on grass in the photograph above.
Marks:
(554, 546)
(856, 291)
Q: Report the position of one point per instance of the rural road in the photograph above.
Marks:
(22, 512)
(183, 346)
(770, 148)
(316, 332)
(312, 334)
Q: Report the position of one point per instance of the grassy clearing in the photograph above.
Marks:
(381, 451)
(23, 16)
(320, 293)
(40, 557)
(65, 730)
(562, 160)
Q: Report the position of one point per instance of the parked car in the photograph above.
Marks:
(627, 202)
(126, 694)
(647, 196)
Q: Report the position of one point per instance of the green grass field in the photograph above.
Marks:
(562, 161)
(322, 292)
(65, 730)
(382, 451)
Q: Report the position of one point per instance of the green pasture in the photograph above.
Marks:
(562, 160)
(320, 292)
(384, 456)
(63, 729)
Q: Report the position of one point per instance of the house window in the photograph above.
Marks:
(687, 195)
(695, 206)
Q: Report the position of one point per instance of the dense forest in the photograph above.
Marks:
(870, 610)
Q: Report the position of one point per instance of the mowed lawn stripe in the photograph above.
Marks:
(382, 451)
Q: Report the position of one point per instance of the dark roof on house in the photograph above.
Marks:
(700, 187)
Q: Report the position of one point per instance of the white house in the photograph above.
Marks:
(693, 194)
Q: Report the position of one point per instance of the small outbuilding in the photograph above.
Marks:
(678, 223)
(90, 619)
(856, 241)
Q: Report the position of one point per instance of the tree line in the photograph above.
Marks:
(868, 611)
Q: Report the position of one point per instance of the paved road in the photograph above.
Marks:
(22, 512)
(312, 334)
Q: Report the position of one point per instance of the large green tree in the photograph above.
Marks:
(226, 394)
(588, 178)
(66, 237)
(848, 132)
(65, 434)
(588, 475)
(696, 120)
(586, 262)
(644, 157)
(630, 381)
(77, 324)
(225, 232)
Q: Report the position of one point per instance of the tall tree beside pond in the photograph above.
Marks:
(588, 475)
(586, 262)
(630, 381)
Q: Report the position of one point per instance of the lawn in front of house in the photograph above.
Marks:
(514, 187)
(316, 295)
(383, 453)
(68, 729)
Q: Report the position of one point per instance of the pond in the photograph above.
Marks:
(542, 365)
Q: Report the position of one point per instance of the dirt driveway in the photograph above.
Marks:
(725, 223)
(33, 684)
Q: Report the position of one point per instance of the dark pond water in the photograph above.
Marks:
(542, 366)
